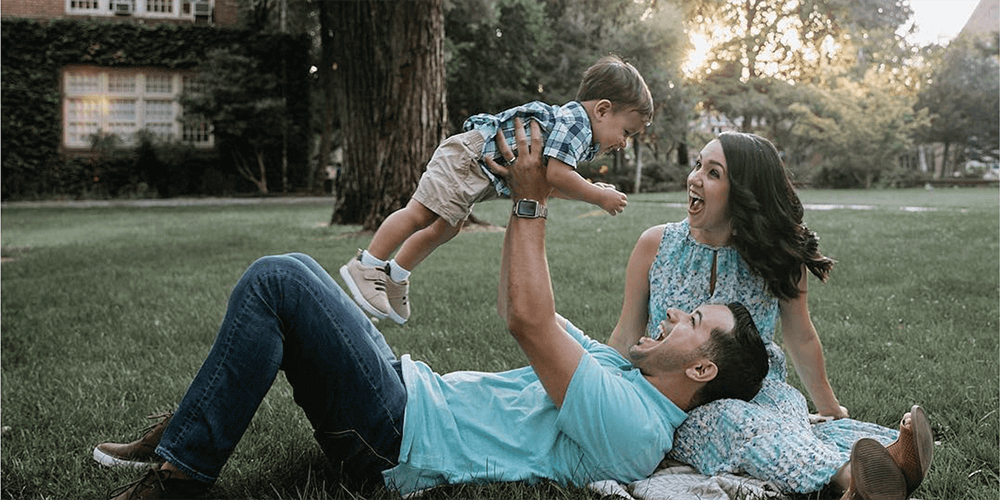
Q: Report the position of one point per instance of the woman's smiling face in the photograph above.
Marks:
(708, 196)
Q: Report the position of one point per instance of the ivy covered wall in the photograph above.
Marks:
(34, 53)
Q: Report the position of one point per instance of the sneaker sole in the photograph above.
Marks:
(397, 318)
(359, 299)
(111, 461)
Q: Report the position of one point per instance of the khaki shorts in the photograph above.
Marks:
(454, 181)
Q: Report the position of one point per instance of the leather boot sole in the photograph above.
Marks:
(914, 449)
(874, 474)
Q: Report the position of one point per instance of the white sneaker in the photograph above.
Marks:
(368, 287)
(399, 300)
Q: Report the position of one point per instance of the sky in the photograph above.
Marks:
(940, 20)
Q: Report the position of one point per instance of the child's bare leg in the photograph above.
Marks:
(416, 248)
(399, 227)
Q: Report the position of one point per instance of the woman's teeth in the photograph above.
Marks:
(694, 201)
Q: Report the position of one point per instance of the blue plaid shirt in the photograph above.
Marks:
(565, 129)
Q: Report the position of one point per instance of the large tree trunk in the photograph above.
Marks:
(390, 66)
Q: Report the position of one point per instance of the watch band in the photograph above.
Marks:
(529, 209)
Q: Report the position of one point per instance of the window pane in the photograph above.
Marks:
(80, 110)
(196, 131)
(121, 110)
(159, 111)
(83, 82)
(160, 6)
(121, 119)
(159, 84)
(160, 118)
(82, 120)
(83, 4)
(124, 84)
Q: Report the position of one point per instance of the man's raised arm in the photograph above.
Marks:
(525, 296)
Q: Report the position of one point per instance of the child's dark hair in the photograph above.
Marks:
(613, 79)
(767, 216)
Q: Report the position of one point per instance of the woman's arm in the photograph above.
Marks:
(635, 307)
(806, 352)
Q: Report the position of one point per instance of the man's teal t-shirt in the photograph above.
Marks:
(486, 427)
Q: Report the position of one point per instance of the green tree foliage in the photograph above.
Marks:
(831, 82)
(962, 95)
(855, 130)
(652, 36)
(244, 109)
(494, 46)
(806, 41)
(757, 43)
(506, 52)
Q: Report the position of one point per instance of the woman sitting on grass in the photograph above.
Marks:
(744, 240)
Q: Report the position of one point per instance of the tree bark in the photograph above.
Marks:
(325, 74)
(389, 61)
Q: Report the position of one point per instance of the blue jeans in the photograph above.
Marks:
(287, 313)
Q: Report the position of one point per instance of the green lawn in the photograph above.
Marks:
(108, 312)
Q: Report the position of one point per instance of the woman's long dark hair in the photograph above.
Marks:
(766, 216)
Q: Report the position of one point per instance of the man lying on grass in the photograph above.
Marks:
(581, 412)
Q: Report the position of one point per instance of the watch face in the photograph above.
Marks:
(526, 208)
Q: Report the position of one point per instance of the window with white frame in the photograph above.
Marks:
(83, 6)
(195, 129)
(124, 101)
(177, 9)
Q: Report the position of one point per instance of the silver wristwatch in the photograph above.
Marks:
(529, 209)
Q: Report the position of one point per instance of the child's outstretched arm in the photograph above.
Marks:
(571, 185)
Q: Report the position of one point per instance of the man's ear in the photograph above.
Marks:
(703, 370)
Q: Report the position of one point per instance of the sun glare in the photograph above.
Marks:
(698, 55)
(767, 61)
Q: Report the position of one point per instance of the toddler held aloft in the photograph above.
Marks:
(612, 105)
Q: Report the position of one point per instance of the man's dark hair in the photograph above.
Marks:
(740, 357)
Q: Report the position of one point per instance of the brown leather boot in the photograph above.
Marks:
(914, 448)
(158, 484)
(874, 474)
(138, 453)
